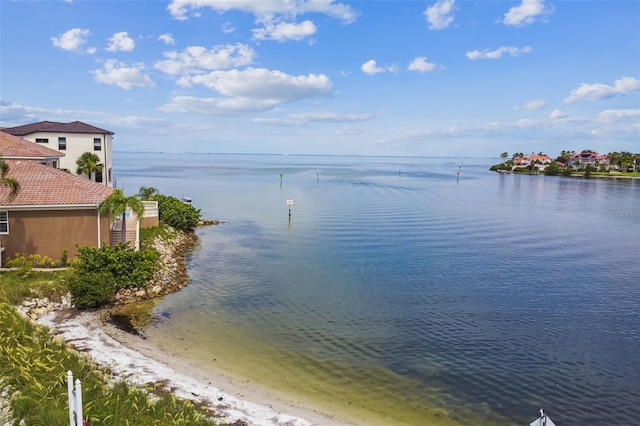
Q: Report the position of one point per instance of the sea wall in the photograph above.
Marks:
(171, 275)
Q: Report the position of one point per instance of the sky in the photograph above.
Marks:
(388, 77)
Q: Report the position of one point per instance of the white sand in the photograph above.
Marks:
(136, 361)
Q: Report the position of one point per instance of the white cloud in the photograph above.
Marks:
(420, 64)
(300, 119)
(556, 114)
(349, 131)
(329, 117)
(497, 54)
(248, 91)
(73, 40)
(440, 15)
(613, 115)
(260, 83)
(526, 13)
(228, 28)
(370, 67)
(167, 38)
(285, 31)
(594, 92)
(216, 106)
(195, 59)
(121, 42)
(267, 9)
(119, 74)
(276, 18)
(533, 105)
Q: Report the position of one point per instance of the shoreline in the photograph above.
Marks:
(138, 362)
(130, 357)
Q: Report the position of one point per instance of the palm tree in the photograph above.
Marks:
(147, 193)
(117, 204)
(88, 163)
(8, 181)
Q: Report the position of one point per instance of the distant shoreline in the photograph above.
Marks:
(572, 175)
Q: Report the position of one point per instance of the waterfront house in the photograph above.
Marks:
(540, 162)
(53, 211)
(73, 139)
(583, 159)
(56, 210)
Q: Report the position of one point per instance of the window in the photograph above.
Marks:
(62, 144)
(98, 175)
(109, 175)
(97, 144)
(42, 140)
(4, 222)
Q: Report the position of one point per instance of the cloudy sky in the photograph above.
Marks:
(419, 78)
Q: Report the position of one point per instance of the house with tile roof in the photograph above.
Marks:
(54, 210)
(540, 161)
(584, 159)
(73, 139)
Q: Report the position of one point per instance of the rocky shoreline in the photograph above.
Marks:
(170, 277)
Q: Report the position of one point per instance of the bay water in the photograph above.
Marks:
(408, 290)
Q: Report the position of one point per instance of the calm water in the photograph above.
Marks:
(398, 287)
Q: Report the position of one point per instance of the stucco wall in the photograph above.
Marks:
(48, 233)
(78, 144)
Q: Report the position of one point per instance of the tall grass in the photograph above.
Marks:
(35, 367)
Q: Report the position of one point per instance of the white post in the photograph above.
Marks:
(75, 401)
(72, 421)
(79, 419)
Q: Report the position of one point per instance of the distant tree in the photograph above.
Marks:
(504, 155)
(9, 182)
(626, 161)
(552, 169)
(117, 204)
(588, 170)
(147, 193)
(176, 213)
(87, 164)
(614, 159)
(587, 151)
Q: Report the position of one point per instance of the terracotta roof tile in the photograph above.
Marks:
(55, 127)
(44, 186)
(14, 146)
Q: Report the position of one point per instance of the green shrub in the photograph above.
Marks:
(21, 262)
(91, 289)
(176, 213)
(27, 262)
(129, 268)
(64, 258)
(99, 273)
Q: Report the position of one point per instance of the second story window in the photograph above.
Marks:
(97, 144)
(62, 144)
(42, 140)
(4, 222)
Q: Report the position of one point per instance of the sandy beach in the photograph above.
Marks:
(133, 359)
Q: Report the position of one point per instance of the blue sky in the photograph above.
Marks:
(418, 78)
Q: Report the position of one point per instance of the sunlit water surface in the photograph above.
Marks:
(402, 289)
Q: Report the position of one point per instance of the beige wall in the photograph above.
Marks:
(48, 233)
(78, 144)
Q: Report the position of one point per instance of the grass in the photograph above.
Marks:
(35, 367)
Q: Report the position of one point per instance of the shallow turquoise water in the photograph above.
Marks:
(504, 293)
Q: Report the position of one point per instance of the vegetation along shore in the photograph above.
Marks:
(586, 163)
(34, 360)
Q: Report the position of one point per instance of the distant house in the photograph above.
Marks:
(583, 159)
(53, 211)
(540, 162)
(73, 139)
